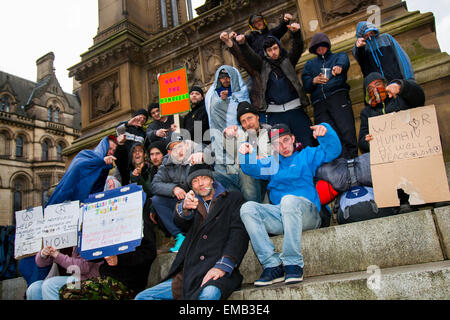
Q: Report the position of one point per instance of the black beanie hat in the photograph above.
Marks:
(197, 170)
(245, 107)
(160, 145)
(152, 106)
(198, 89)
(141, 111)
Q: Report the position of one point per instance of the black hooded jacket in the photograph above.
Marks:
(257, 38)
(411, 96)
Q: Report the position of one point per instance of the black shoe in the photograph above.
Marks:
(294, 274)
(270, 276)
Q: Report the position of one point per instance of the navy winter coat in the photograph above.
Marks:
(336, 83)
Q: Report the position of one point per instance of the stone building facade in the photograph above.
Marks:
(137, 40)
(37, 122)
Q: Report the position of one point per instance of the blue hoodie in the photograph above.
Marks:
(293, 175)
(383, 54)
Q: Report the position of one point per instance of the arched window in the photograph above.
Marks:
(49, 114)
(5, 104)
(18, 189)
(45, 183)
(45, 147)
(56, 115)
(3, 144)
(59, 149)
(19, 146)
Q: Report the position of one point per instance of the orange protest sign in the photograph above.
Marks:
(173, 92)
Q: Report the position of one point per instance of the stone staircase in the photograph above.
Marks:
(400, 257)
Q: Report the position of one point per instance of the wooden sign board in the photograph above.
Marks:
(406, 153)
(173, 92)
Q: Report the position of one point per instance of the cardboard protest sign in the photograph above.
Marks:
(61, 225)
(173, 92)
(111, 222)
(29, 226)
(406, 153)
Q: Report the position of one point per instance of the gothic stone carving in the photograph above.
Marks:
(335, 9)
(191, 62)
(105, 96)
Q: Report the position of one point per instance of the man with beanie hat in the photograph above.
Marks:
(255, 133)
(207, 264)
(129, 132)
(330, 93)
(160, 128)
(196, 121)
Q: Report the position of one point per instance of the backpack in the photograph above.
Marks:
(8, 268)
(358, 204)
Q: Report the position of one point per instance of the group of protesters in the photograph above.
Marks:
(239, 168)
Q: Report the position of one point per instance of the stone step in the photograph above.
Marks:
(401, 240)
(430, 281)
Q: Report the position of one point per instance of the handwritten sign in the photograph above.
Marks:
(173, 92)
(112, 225)
(29, 227)
(61, 225)
(406, 154)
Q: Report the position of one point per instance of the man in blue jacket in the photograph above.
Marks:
(330, 96)
(295, 203)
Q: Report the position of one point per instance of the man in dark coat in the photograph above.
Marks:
(160, 128)
(196, 117)
(257, 36)
(330, 93)
(282, 94)
(207, 265)
(383, 98)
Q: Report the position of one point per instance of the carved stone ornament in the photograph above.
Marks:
(105, 96)
(335, 9)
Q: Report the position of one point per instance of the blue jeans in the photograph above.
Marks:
(163, 291)
(291, 215)
(48, 289)
(252, 189)
(165, 208)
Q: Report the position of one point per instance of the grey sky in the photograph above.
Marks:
(30, 29)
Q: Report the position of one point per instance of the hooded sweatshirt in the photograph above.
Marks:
(256, 38)
(313, 68)
(382, 54)
(223, 113)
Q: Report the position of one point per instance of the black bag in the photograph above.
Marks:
(343, 173)
(8, 266)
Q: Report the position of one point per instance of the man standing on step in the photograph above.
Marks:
(295, 203)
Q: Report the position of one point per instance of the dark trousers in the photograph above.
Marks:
(165, 209)
(337, 111)
(298, 121)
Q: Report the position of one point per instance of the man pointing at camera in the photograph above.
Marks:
(207, 264)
